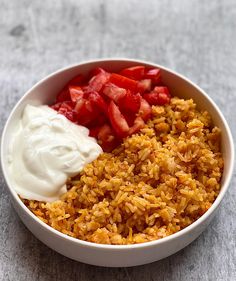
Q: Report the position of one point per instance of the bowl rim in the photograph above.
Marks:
(129, 246)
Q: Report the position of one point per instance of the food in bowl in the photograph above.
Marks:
(160, 169)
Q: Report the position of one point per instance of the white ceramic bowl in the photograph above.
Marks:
(44, 92)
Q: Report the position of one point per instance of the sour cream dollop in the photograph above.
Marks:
(45, 150)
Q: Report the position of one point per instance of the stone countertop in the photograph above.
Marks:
(195, 38)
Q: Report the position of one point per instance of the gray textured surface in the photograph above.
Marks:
(196, 38)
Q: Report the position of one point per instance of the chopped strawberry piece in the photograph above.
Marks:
(135, 72)
(113, 92)
(145, 110)
(97, 102)
(130, 103)
(124, 82)
(97, 82)
(117, 120)
(154, 74)
(76, 93)
(138, 125)
(144, 85)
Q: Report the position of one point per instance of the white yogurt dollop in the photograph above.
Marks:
(47, 149)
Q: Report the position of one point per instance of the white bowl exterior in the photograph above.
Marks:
(107, 255)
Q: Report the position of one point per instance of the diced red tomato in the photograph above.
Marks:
(76, 81)
(76, 93)
(138, 125)
(93, 132)
(66, 109)
(112, 106)
(97, 71)
(130, 103)
(129, 117)
(154, 98)
(86, 113)
(162, 89)
(144, 85)
(154, 74)
(145, 110)
(99, 121)
(64, 95)
(97, 102)
(56, 106)
(124, 82)
(135, 72)
(117, 120)
(163, 99)
(66, 105)
(159, 96)
(71, 115)
(106, 138)
(97, 82)
(113, 92)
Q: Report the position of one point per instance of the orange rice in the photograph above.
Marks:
(154, 184)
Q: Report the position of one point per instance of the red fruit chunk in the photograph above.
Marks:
(106, 138)
(113, 92)
(154, 74)
(66, 105)
(56, 106)
(135, 72)
(124, 82)
(129, 117)
(86, 113)
(97, 102)
(111, 105)
(163, 90)
(97, 82)
(159, 96)
(64, 95)
(71, 115)
(66, 109)
(144, 85)
(97, 71)
(163, 99)
(131, 102)
(138, 124)
(145, 110)
(76, 93)
(93, 132)
(117, 120)
(100, 120)
(76, 81)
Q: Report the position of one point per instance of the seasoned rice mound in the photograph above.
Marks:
(154, 184)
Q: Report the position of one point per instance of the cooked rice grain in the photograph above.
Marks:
(156, 183)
